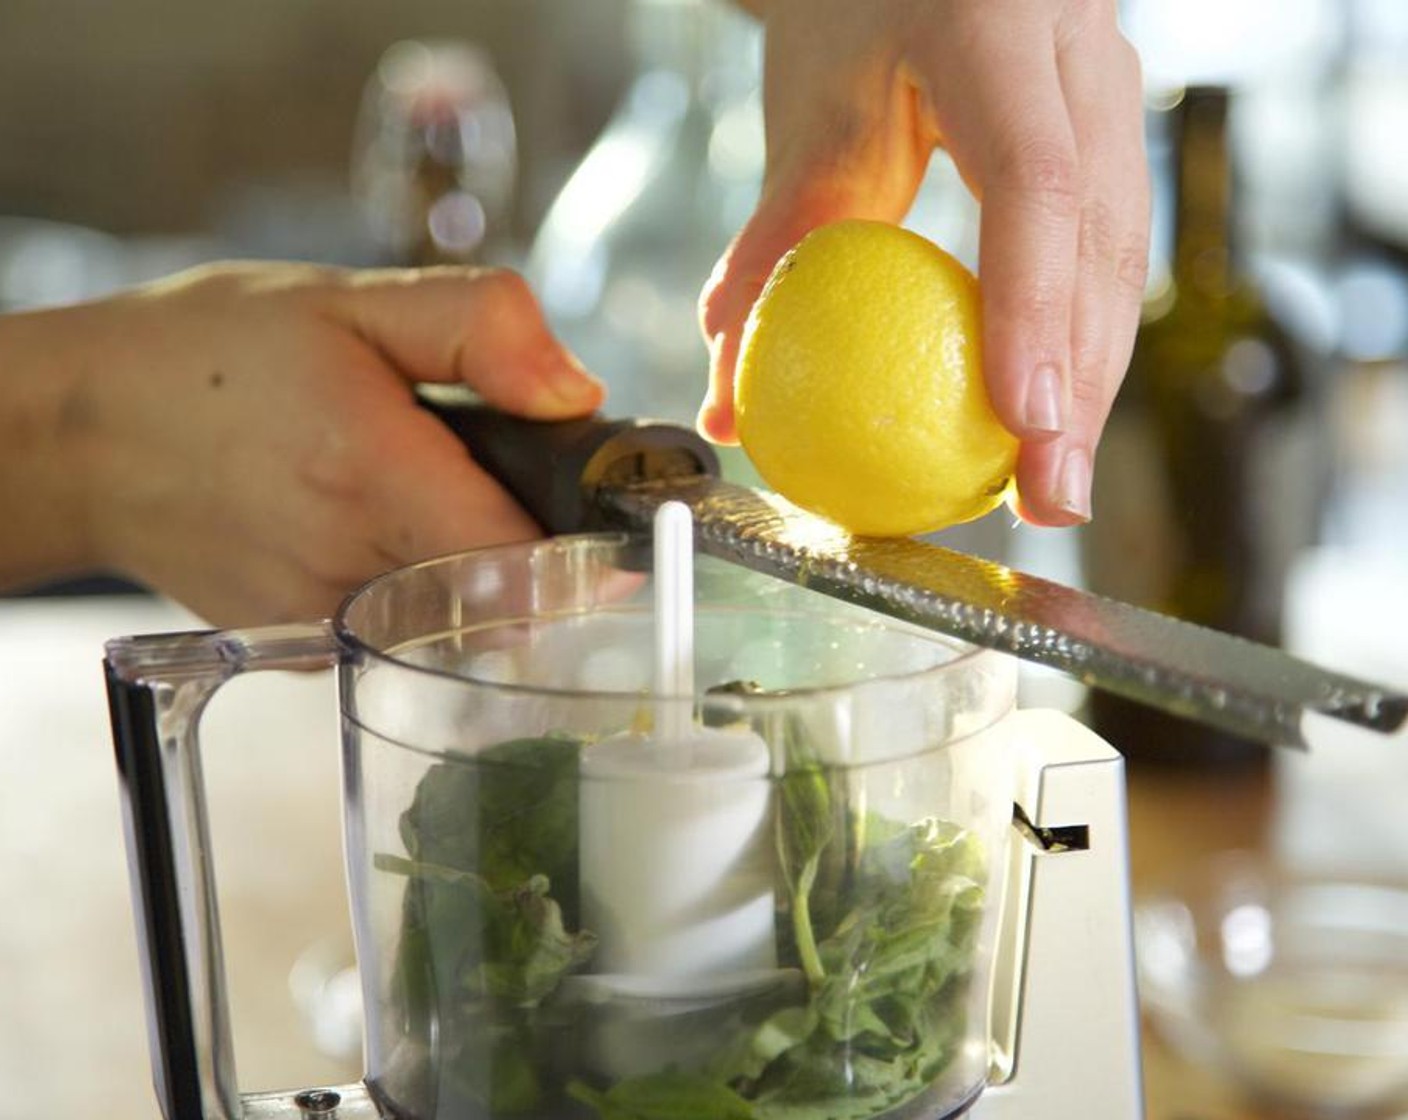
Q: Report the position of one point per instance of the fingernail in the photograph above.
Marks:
(1044, 411)
(1073, 483)
(573, 385)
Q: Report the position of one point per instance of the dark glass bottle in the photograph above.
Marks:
(1206, 485)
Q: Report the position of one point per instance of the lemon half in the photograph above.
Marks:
(859, 393)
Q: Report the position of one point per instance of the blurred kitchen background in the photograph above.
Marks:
(610, 148)
(229, 127)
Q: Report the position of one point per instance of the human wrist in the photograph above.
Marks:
(47, 426)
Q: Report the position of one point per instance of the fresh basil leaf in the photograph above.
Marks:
(750, 1052)
(490, 899)
(881, 917)
(807, 827)
(886, 1012)
(529, 951)
(506, 813)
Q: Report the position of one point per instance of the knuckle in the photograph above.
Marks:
(738, 277)
(1039, 307)
(500, 286)
(496, 298)
(1079, 18)
(1097, 233)
(1104, 252)
(712, 306)
(1091, 393)
(1088, 363)
(1082, 11)
(1127, 64)
(1087, 386)
(1044, 170)
(333, 468)
(1132, 268)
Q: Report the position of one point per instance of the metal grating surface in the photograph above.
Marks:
(1226, 682)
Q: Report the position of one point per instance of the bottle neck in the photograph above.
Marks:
(1203, 258)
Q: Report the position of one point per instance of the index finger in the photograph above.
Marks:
(1008, 129)
(479, 326)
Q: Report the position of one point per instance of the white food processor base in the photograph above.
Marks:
(1065, 1009)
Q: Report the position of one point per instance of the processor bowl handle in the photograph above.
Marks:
(158, 686)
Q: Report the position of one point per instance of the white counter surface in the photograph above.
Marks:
(72, 1032)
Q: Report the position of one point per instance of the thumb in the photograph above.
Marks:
(784, 216)
(479, 326)
(847, 144)
(786, 213)
(729, 295)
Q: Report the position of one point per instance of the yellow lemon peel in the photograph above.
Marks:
(859, 393)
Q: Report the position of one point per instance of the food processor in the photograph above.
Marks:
(634, 832)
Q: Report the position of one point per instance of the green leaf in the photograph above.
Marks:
(506, 813)
(881, 917)
(750, 1052)
(520, 947)
(886, 1015)
(529, 951)
(483, 941)
(806, 828)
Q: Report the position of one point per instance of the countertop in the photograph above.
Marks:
(73, 1039)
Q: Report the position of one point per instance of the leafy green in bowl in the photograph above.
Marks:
(877, 918)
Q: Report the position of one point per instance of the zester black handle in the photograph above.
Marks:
(554, 468)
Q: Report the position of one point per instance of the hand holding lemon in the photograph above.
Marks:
(1038, 105)
(860, 394)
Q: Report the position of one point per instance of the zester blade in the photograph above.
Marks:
(592, 473)
(1240, 686)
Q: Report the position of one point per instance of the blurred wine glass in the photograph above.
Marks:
(435, 154)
